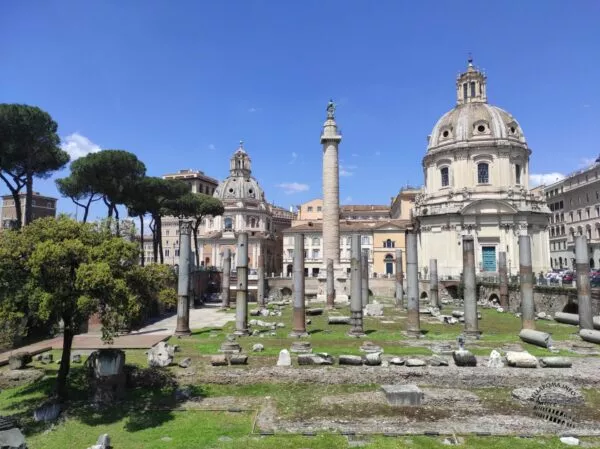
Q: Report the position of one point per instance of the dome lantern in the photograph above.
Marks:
(471, 85)
(239, 165)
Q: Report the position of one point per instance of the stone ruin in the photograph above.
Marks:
(107, 375)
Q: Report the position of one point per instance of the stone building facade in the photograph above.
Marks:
(575, 206)
(42, 206)
(379, 237)
(246, 210)
(476, 183)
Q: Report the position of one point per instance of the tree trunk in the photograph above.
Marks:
(86, 209)
(118, 227)
(65, 363)
(29, 199)
(109, 206)
(159, 233)
(152, 227)
(143, 256)
(16, 198)
(197, 225)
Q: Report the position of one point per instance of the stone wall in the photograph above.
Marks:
(377, 286)
(546, 299)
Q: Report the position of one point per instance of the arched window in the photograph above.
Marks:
(483, 173)
(228, 223)
(518, 173)
(445, 177)
(252, 222)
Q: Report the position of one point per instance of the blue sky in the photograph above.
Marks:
(180, 83)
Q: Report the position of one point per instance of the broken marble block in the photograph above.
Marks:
(372, 359)
(320, 358)
(463, 357)
(336, 319)
(521, 359)
(555, 362)
(403, 395)
(284, 358)
(351, 360)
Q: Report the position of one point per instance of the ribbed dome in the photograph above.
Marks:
(239, 188)
(476, 121)
(240, 184)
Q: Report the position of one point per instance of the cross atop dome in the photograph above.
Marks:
(471, 85)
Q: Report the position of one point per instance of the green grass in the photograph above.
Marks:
(149, 419)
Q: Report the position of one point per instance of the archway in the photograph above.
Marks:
(389, 264)
(571, 307)
(289, 269)
(494, 298)
(591, 262)
(424, 295)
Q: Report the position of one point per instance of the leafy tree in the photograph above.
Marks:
(80, 186)
(29, 147)
(196, 206)
(71, 270)
(152, 195)
(154, 287)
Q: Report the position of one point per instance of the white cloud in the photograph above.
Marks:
(544, 178)
(377, 153)
(347, 200)
(212, 147)
(585, 162)
(78, 146)
(293, 187)
(294, 157)
(347, 170)
(354, 154)
(252, 110)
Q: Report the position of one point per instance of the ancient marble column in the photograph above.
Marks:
(330, 139)
(260, 292)
(526, 279)
(413, 324)
(399, 279)
(330, 285)
(470, 288)
(434, 297)
(584, 297)
(183, 284)
(225, 281)
(241, 303)
(503, 279)
(299, 312)
(356, 309)
(364, 270)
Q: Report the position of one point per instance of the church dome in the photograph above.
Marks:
(473, 120)
(240, 184)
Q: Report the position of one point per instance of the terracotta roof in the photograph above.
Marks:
(364, 207)
(347, 226)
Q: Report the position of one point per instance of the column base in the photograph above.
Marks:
(183, 333)
(413, 333)
(299, 334)
(356, 333)
(242, 332)
(472, 335)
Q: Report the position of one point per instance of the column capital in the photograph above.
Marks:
(185, 227)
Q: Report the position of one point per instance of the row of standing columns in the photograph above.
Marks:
(360, 287)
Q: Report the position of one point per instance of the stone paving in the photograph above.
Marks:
(146, 337)
(208, 316)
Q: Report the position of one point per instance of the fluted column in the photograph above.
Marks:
(299, 312)
(356, 308)
(183, 284)
(413, 324)
(526, 277)
(399, 279)
(241, 304)
(584, 298)
(225, 282)
(470, 287)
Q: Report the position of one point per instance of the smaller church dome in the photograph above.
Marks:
(473, 119)
(240, 184)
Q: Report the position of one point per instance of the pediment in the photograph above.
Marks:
(488, 207)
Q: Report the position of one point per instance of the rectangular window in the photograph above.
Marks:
(472, 88)
(176, 253)
(445, 177)
(465, 92)
(518, 173)
(483, 176)
(309, 208)
(315, 253)
(319, 208)
(167, 253)
(365, 240)
(587, 213)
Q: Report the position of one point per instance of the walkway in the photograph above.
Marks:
(144, 338)
(208, 316)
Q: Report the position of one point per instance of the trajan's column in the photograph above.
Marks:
(330, 139)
